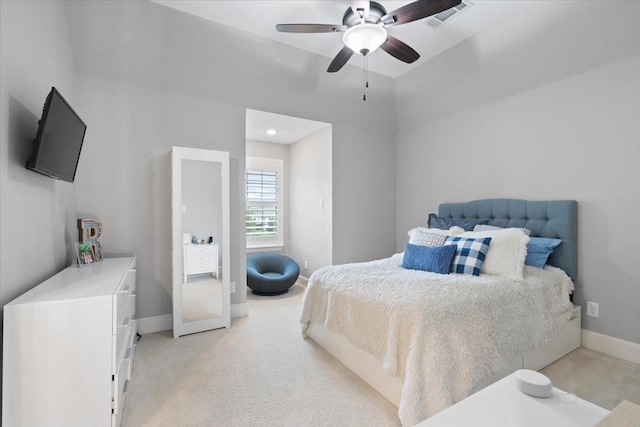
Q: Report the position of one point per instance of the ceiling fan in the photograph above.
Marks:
(364, 26)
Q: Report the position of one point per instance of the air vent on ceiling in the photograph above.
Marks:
(446, 15)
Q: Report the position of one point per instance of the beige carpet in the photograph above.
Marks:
(596, 377)
(261, 372)
(201, 298)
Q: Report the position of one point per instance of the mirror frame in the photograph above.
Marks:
(178, 154)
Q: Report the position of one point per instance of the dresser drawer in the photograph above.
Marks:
(120, 380)
(121, 299)
(132, 342)
(201, 263)
(201, 250)
(205, 266)
(124, 331)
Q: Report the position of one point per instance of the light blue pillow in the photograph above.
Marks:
(539, 249)
(436, 259)
(470, 254)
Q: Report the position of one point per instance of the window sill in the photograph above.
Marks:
(265, 248)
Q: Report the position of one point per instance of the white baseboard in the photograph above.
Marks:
(151, 325)
(612, 346)
(239, 310)
(302, 281)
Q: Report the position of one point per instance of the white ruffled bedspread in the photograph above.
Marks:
(442, 333)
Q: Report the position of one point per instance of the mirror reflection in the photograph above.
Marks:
(200, 241)
(202, 295)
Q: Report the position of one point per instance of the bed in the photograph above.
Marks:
(426, 341)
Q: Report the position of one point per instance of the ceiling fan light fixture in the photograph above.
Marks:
(364, 38)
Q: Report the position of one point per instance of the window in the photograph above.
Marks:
(263, 192)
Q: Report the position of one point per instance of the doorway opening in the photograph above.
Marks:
(288, 189)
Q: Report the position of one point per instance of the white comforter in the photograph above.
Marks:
(442, 333)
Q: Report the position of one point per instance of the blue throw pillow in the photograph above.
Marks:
(470, 254)
(436, 259)
(539, 249)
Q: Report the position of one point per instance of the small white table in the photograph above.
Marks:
(502, 404)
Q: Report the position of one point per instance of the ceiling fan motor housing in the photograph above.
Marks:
(376, 11)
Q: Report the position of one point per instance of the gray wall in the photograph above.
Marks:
(555, 118)
(311, 224)
(151, 77)
(37, 214)
(125, 176)
(202, 198)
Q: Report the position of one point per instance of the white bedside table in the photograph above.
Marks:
(199, 259)
(502, 404)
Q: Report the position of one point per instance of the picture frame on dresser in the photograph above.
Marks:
(84, 254)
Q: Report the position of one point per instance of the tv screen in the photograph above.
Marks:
(57, 146)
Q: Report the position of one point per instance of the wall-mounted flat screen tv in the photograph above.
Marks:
(56, 149)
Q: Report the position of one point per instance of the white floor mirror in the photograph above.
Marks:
(200, 240)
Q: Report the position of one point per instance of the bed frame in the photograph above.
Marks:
(556, 219)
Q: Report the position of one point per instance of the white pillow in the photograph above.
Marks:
(506, 254)
(453, 231)
(421, 237)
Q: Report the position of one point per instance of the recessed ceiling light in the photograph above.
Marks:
(271, 131)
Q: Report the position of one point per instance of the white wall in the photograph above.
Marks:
(151, 77)
(570, 136)
(311, 224)
(37, 214)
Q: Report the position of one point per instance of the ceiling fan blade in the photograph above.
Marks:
(400, 50)
(310, 28)
(362, 5)
(417, 10)
(341, 58)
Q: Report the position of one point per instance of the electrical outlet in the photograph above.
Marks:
(233, 287)
(306, 265)
(592, 309)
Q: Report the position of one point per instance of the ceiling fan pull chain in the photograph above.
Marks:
(364, 75)
(366, 61)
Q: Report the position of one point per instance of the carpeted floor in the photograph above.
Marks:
(261, 372)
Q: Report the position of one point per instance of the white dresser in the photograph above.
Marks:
(199, 259)
(68, 347)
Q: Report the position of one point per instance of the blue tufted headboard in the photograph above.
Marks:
(556, 218)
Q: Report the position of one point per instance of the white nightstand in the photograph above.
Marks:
(199, 259)
(502, 404)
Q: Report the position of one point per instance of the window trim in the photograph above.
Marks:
(267, 164)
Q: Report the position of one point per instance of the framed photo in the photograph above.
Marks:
(84, 251)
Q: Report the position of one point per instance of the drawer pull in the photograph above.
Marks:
(126, 322)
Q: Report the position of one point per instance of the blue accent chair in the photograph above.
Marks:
(271, 274)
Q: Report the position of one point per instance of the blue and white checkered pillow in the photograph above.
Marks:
(470, 254)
